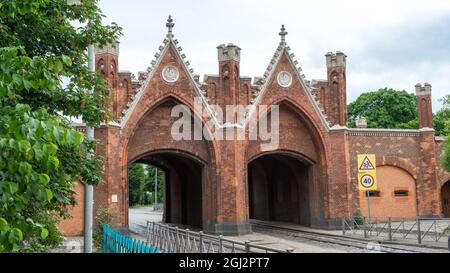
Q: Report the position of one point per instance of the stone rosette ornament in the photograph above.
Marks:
(284, 79)
(170, 74)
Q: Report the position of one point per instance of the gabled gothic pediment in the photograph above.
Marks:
(171, 68)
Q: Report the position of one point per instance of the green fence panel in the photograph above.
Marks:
(115, 242)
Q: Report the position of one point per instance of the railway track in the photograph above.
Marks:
(368, 246)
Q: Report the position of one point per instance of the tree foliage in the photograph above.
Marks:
(141, 179)
(441, 119)
(385, 108)
(446, 132)
(41, 154)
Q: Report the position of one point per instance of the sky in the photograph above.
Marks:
(395, 43)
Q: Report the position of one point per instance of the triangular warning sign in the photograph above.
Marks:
(366, 165)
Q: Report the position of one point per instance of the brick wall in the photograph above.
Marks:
(74, 226)
(391, 179)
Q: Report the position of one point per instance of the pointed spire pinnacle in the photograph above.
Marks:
(283, 34)
(170, 24)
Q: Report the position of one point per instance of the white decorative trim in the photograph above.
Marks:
(385, 132)
(426, 129)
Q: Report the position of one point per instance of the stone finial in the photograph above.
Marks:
(170, 24)
(108, 49)
(335, 60)
(424, 90)
(228, 52)
(283, 34)
(361, 122)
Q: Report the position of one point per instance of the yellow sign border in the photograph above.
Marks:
(372, 173)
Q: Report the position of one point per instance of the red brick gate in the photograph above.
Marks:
(307, 177)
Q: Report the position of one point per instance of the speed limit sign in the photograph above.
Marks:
(367, 181)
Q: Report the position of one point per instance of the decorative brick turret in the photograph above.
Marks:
(107, 63)
(336, 97)
(424, 107)
(229, 80)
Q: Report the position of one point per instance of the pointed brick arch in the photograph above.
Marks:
(445, 199)
(314, 155)
(135, 147)
(318, 138)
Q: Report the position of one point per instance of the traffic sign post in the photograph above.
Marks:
(367, 176)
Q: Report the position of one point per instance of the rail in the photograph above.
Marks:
(390, 228)
(116, 242)
(187, 241)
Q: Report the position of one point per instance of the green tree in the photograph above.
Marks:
(138, 183)
(442, 118)
(446, 131)
(385, 108)
(160, 181)
(141, 179)
(41, 154)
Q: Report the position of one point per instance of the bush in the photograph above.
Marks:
(358, 217)
(103, 216)
(53, 239)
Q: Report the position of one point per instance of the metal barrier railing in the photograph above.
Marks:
(390, 228)
(116, 242)
(186, 241)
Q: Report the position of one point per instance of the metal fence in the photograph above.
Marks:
(115, 242)
(158, 207)
(391, 229)
(186, 241)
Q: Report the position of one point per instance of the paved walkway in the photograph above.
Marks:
(139, 216)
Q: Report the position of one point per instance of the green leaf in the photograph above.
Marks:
(27, 85)
(13, 187)
(17, 79)
(78, 138)
(49, 194)
(15, 235)
(3, 226)
(44, 233)
(25, 168)
(44, 178)
(53, 162)
(66, 59)
(22, 108)
(39, 130)
(24, 146)
(58, 66)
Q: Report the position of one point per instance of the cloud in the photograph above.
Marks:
(389, 43)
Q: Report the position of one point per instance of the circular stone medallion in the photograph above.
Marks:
(170, 74)
(284, 79)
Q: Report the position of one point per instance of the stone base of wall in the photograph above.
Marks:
(230, 228)
(329, 224)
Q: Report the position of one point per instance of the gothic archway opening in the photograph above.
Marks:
(145, 194)
(180, 189)
(445, 199)
(278, 186)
